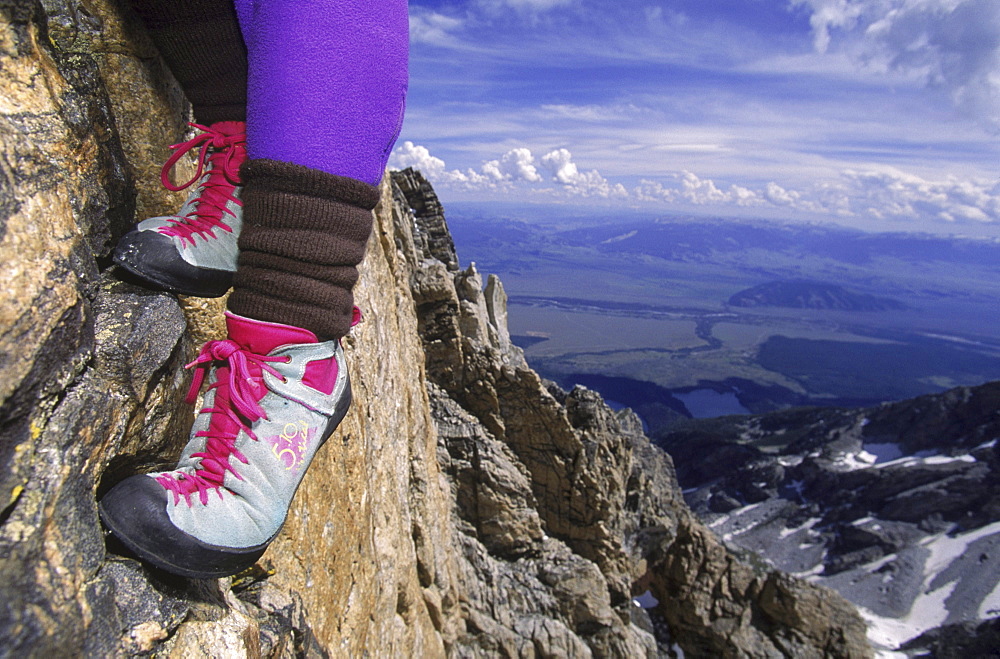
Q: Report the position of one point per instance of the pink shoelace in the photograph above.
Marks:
(239, 388)
(228, 152)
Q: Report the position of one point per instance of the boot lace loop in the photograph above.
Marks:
(228, 152)
(239, 388)
(228, 144)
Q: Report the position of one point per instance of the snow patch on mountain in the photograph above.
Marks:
(896, 507)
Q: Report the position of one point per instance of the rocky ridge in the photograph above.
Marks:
(895, 506)
(464, 507)
(597, 483)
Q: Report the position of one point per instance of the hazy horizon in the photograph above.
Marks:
(567, 212)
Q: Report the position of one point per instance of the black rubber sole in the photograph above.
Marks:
(134, 512)
(151, 257)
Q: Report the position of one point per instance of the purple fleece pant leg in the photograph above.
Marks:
(327, 82)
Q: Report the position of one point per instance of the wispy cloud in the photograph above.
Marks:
(952, 44)
(525, 5)
(860, 110)
(430, 27)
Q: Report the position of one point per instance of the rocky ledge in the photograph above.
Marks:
(464, 507)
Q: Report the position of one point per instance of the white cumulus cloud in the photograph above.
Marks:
(702, 191)
(892, 194)
(515, 165)
(873, 194)
(779, 196)
(560, 165)
(418, 157)
(696, 190)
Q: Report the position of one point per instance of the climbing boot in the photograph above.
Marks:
(194, 252)
(275, 394)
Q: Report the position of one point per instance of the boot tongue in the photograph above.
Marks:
(229, 127)
(260, 337)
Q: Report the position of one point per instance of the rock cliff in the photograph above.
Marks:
(465, 507)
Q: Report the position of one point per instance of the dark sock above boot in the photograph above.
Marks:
(201, 42)
(304, 234)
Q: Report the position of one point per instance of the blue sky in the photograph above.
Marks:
(880, 114)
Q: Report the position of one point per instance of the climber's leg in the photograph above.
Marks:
(345, 65)
(194, 250)
(278, 385)
(201, 43)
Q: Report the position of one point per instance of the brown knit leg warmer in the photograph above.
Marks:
(201, 42)
(304, 233)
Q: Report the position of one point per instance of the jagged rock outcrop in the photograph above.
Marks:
(431, 237)
(602, 489)
(464, 507)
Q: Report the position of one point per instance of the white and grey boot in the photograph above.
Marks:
(194, 251)
(275, 394)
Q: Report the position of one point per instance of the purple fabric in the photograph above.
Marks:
(327, 82)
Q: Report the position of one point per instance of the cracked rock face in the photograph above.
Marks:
(85, 383)
(464, 507)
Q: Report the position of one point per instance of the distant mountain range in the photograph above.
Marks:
(689, 239)
(897, 507)
(800, 294)
(664, 314)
